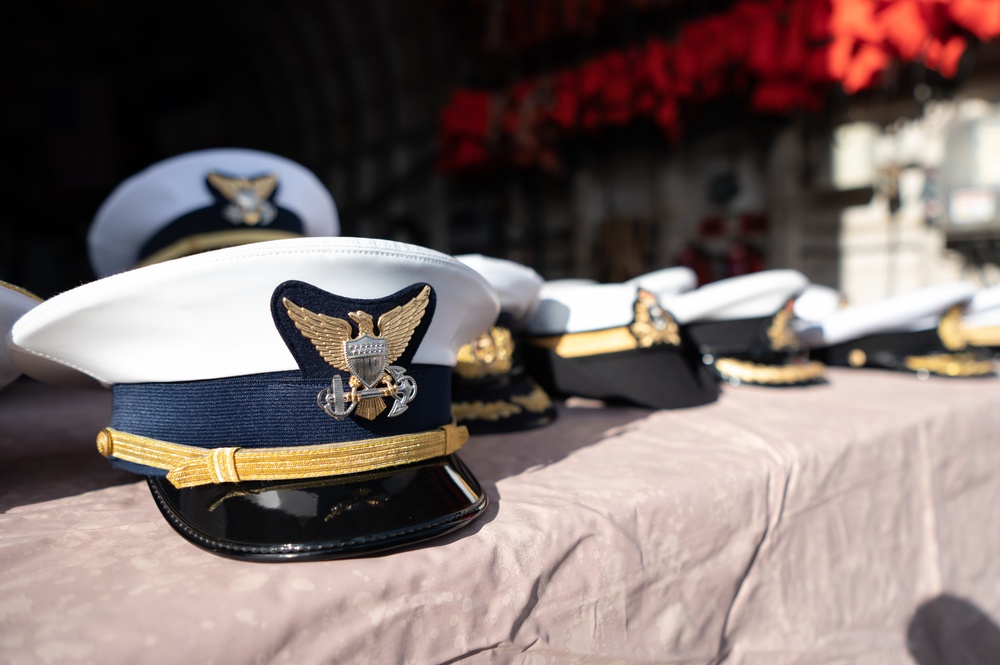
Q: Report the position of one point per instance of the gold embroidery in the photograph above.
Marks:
(780, 333)
(368, 356)
(950, 364)
(189, 466)
(536, 401)
(749, 372)
(204, 242)
(950, 330)
(490, 354)
(248, 198)
(652, 324)
(857, 358)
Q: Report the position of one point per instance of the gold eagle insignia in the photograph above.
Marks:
(248, 198)
(653, 324)
(780, 334)
(368, 357)
(951, 331)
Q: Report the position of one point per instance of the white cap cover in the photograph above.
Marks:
(984, 309)
(918, 310)
(667, 282)
(208, 316)
(14, 302)
(516, 285)
(818, 302)
(745, 297)
(572, 308)
(147, 202)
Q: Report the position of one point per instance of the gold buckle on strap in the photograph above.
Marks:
(189, 466)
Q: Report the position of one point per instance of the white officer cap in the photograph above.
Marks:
(516, 285)
(920, 331)
(917, 310)
(491, 390)
(743, 327)
(265, 389)
(614, 341)
(14, 303)
(206, 200)
(744, 297)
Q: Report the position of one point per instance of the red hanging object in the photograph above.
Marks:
(783, 53)
(467, 113)
(864, 68)
(943, 57)
(980, 17)
(905, 28)
(616, 95)
(565, 101)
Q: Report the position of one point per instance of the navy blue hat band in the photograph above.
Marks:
(277, 409)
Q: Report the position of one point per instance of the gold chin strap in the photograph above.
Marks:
(204, 242)
(189, 466)
(983, 335)
(775, 375)
(950, 364)
(575, 345)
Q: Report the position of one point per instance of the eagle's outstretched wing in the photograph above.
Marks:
(228, 187)
(264, 186)
(397, 325)
(327, 333)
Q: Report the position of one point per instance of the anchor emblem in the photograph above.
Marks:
(367, 357)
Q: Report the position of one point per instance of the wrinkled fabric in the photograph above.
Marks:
(798, 525)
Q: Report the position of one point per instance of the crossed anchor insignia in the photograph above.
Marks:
(367, 357)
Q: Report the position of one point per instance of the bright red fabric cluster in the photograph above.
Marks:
(782, 53)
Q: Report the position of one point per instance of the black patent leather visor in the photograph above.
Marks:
(327, 518)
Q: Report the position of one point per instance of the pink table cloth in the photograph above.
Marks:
(852, 522)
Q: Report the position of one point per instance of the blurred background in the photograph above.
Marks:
(855, 140)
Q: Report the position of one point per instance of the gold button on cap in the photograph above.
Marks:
(857, 358)
(104, 444)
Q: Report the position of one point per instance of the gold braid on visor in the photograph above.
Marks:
(189, 466)
(775, 375)
(950, 364)
(204, 242)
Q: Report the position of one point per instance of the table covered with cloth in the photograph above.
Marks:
(857, 521)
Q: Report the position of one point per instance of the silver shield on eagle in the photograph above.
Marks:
(367, 357)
